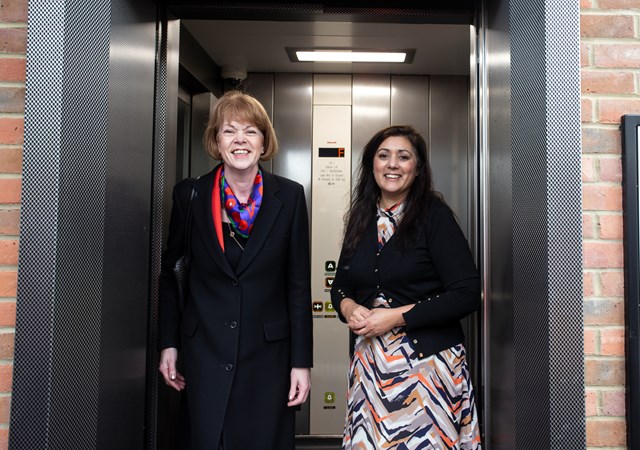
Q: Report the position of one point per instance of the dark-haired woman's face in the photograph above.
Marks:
(394, 169)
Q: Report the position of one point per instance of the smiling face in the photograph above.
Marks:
(240, 144)
(394, 169)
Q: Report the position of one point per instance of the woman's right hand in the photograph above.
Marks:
(173, 378)
(353, 312)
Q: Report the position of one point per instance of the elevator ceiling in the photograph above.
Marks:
(259, 46)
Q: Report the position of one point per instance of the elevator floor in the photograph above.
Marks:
(312, 443)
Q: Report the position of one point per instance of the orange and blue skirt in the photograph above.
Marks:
(399, 401)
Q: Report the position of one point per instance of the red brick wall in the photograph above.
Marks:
(13, 39)
(610, 60)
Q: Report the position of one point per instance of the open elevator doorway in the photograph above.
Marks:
(334, 105)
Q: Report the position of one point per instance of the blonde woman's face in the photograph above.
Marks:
(240, 144)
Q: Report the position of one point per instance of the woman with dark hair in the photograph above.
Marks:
(405, 278)
(244, 333)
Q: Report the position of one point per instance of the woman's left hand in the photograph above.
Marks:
(300, 385)
(380, 321)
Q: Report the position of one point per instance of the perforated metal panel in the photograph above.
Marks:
(84, 225)
(547, 225)
(158, 213)
(61, 229)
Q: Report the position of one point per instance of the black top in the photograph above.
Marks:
(437, 274)
(232, 249)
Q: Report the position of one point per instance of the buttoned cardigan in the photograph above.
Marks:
(437, 274)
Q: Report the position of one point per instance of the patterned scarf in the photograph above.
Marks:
(388, 221)
(242, 215)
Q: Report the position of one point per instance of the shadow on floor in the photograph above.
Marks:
(313, 443)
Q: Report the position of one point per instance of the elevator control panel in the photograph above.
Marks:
(330, 196)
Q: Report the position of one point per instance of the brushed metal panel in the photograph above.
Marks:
(292, 119)
(260, 85)
(129, 157)
(162, 401)
(201, 162)
(496, 226)
(331, 89)
(449, 142)
(292, 111)
(452, 165)
(410, 102)
(371, 112)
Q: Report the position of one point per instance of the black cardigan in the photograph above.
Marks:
(437, 274)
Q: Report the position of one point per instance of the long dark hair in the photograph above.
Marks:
(362, 210)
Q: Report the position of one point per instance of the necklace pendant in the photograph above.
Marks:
(232, 234)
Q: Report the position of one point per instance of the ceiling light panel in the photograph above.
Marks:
(404, 56)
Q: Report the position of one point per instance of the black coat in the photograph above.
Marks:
(437, 274)
(241, 331)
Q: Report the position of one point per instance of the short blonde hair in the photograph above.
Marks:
(240, 106)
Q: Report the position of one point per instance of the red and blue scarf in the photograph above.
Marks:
(241, 215)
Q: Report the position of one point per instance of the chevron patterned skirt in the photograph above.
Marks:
(398, 401)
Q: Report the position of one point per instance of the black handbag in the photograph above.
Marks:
(181, 266)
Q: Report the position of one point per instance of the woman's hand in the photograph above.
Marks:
(168, 359)
(300, 385)
(379, 321)
(353, 312)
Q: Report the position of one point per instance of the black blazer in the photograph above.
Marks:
(437, 274)
(241, 331)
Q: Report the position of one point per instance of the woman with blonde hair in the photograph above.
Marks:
(244, 333)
